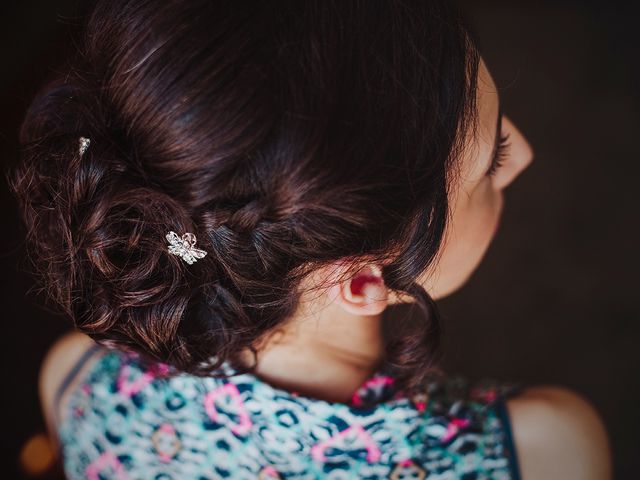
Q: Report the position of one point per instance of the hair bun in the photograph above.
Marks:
(97, 236)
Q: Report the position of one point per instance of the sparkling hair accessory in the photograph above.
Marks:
(184, 247)
(83, 145)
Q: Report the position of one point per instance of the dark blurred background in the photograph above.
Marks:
(555, 300)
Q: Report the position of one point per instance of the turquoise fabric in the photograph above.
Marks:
(128, 419)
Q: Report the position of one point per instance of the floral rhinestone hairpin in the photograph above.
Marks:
(184, 247)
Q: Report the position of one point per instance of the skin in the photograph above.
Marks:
(341, 334)
(334, 342)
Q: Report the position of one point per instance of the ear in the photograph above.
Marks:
(364, 293)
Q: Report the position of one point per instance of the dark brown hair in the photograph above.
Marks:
(285, 135)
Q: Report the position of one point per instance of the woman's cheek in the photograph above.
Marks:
(481, 217)
(468, 236)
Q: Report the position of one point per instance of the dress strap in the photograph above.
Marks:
(70, 377)
(500, 406)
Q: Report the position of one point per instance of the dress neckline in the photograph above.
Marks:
(379, 387)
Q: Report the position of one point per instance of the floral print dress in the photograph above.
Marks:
(121, 418)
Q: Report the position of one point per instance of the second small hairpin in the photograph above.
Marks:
(83, 144)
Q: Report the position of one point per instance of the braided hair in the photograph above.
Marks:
(285, 135)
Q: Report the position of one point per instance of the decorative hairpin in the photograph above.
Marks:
(83, 145)
(184, 247)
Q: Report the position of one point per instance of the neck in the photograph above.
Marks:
(327, 354)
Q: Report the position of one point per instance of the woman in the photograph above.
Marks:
(230, 197)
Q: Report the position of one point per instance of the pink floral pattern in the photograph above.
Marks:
(133, 419)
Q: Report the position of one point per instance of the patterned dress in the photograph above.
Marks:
(126, 419)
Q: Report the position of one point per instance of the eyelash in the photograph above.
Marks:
(501, 153)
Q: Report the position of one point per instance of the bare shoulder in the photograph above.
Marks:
(559, 435)
(61, 358)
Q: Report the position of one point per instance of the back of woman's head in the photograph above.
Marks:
(285, 135)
